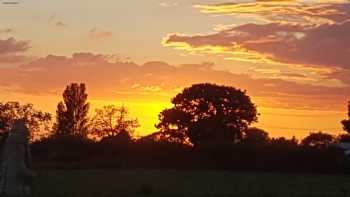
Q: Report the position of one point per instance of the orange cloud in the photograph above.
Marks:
(158, 81)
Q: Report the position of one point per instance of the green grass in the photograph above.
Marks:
(168, 183)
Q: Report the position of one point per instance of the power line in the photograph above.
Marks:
(300, 115)
(301, 128)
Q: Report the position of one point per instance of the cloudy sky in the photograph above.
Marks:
(291, 56)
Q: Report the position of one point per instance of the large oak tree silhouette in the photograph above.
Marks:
(208, 114)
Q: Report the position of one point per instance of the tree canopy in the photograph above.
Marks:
(111, 120)
(34, 119)
(208, 113)
(255, 136)
(318, 140)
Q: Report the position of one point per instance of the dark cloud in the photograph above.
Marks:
(11, 45)
(11, 51)
(325, 45)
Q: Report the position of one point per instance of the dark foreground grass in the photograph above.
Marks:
(168, 183)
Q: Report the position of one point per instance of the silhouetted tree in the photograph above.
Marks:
(255, 136)
(122, 138)
(282, 142)
(71, 114)
(111, 120)
(343, 138)
(172, 125)
(318, 140)
(151, 138)
(208, 113)
(346, 123)
(35, 120)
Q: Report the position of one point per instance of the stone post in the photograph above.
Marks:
(16, 177)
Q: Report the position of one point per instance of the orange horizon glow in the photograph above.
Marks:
(305, 121)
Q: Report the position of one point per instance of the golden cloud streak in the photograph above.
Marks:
(300, 12)
(236, 52)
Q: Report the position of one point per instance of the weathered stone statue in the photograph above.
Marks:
(16, 176)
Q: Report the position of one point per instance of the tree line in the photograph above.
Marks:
(207, 127)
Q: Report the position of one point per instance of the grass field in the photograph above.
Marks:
(168, 183)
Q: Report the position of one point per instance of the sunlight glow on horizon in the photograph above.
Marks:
(276, 121)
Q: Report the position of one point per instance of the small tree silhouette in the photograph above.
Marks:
(318, 140)
(255, 136)
(346, 123)
(111, 120)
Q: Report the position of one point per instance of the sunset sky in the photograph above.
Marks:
(292, 57)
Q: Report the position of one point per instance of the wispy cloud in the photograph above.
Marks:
(60, 24)
(96, 33)
(6, 30)
(287, 11)
(169, 4)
